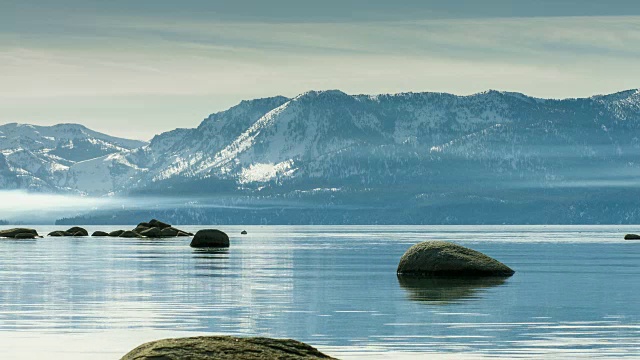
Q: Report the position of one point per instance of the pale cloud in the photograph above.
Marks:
(220, 63)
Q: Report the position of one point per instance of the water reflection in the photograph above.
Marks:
(330, 287)
(444, 290)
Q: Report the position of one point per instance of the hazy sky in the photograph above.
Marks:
(137, 68)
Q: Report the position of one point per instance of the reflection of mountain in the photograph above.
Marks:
(443, 290)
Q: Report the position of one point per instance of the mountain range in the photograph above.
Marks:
(329, 157)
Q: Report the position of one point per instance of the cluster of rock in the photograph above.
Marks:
(74, 231)
(19, 233)
(151, 229)
(224, 348)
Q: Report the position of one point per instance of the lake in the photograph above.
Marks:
(576, 292)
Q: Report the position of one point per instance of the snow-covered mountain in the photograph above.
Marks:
(438, 157)
(39, 158)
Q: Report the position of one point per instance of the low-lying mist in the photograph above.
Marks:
(17, 206)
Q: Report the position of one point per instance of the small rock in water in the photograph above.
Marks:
(224, 348)
(440, 258)
(210, 238)
(244, 232)
(99, 233)
(632, 237)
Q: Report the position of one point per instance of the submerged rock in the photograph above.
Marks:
(99, 233)
(632, 237)
(11, 233)
(224, 348)
(210, 238)
(440, 258)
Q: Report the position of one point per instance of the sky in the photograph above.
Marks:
(137, 68)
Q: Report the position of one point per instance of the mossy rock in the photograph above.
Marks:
(224, 348)
(440, 258)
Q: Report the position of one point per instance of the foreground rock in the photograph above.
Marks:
(224, 348)
(440, 258)
(632, 237)
(100, 233)
(13, 233)
(210, 238)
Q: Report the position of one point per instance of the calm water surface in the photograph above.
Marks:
(576, 293)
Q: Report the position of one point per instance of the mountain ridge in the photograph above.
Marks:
(409, 151)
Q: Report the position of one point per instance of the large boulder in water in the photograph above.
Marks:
(224, 348)
(11, 233)
(77, 231)
(158, 224)
(210, 238)
(130, 234)
(58, 233)
(153, 232)
(440, 258)
(632, 237)
(99, 233)
(169, 232)
(25, 236)
(116, 233)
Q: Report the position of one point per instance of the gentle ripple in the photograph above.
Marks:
(575, 293)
